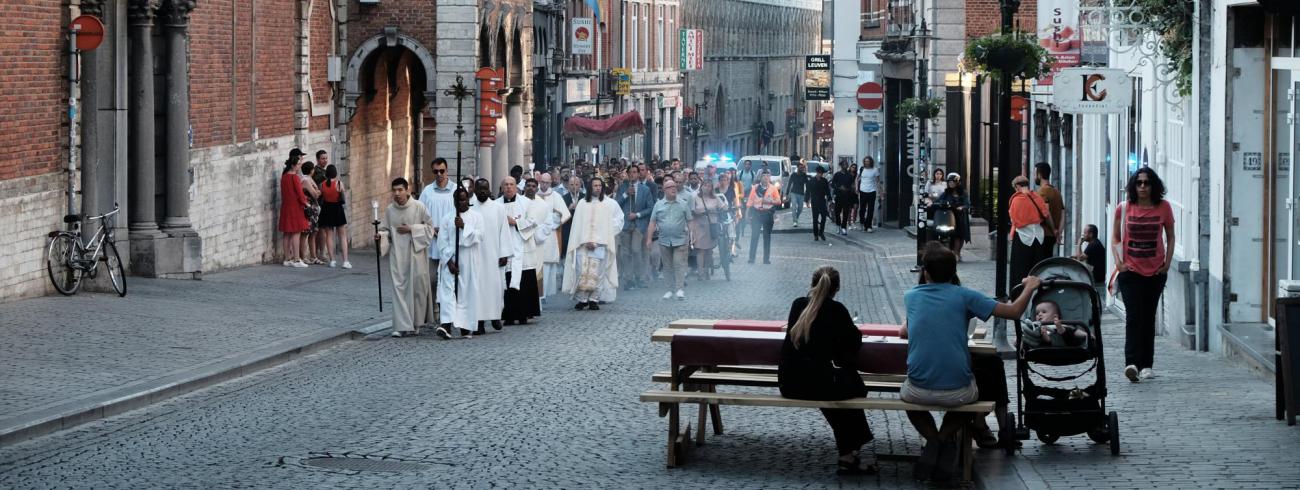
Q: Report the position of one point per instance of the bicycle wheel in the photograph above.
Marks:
(60, 258)
(116, 273)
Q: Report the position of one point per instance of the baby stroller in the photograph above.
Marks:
(1052, 412)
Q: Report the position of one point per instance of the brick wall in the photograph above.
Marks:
(221, 89)
(415, 18)
(379, 144)
(35, 87)
(32, 206)
(984, 17)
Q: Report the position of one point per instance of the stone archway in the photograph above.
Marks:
(388, 90)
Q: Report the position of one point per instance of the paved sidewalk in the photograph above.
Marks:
(67, 354)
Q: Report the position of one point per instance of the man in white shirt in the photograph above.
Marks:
(438, 198)
(868, 183)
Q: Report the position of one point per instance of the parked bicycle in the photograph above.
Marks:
(68, 259)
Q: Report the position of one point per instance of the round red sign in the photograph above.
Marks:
(871, 96)
(90, 32)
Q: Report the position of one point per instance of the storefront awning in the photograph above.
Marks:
(587, 131)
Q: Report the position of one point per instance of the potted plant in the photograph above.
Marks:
(919, 108)
(1015, 54)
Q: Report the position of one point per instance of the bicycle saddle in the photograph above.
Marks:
(72, 218)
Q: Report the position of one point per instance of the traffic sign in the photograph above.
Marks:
(90, 32)
(871, 127)
(871, 96)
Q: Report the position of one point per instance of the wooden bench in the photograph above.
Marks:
(978, 332)
(679, 440)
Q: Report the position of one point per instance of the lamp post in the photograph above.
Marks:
(921, 37)
(1006, 168)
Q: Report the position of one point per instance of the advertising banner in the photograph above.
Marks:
(1058, 31)
(622, 81)
(582, 35)
(817, 77)
(690, 43)
(1093, 91)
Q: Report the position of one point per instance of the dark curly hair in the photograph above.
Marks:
(1157, 186)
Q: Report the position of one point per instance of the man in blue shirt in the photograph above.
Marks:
(938, 359)
(669, 218)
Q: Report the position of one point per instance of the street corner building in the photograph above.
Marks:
(186, 112)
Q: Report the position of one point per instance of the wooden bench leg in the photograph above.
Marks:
(672, 435)
(699, 424)
(967, 451)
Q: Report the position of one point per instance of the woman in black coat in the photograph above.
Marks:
(818, 360)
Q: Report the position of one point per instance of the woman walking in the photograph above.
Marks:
(1142, 259)
(293, 221)
(957, 200)
(868, 183)
(1028, 215)
(706, 227)
(818, 362)
(333, 219)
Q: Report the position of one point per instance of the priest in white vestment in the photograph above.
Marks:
(551, 243)
(589, 266)
(521, 302)
(457, 272)
(409, 232)
(496, 249)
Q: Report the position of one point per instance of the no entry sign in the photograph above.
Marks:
(90, 32)
(871, 96)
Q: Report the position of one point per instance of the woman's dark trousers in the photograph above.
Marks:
(1141, 300)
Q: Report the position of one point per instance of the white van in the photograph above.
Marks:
(778, 166)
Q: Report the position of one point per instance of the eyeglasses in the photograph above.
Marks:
(439, 172)
(1142, 183)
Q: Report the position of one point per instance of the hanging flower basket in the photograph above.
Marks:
(919, 109)
(1016, 54)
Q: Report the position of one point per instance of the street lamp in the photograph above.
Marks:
(1006, 168)
(920, 38)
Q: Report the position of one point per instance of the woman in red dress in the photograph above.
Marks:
(293, 222)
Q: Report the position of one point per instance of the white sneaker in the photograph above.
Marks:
(333, 264)
(668, 295)
(1131, 372)
(347, 265)
(681, 294)
(871, 230)
(298, 264)
(1147, 373)
(288, 263)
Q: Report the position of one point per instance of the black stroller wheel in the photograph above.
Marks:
(1047, 438)
(1114, 434)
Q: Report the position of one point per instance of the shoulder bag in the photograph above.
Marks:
(1112, 286)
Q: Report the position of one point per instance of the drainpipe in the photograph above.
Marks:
(1204, 13)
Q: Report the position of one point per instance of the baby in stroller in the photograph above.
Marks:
(1048, 330)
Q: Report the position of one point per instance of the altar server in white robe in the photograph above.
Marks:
(437, 198)
(551, 243)
(496, 248)
(457, 272)
(589, 265)
(407, 229)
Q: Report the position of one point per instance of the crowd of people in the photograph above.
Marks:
(466, 255)
(312, 221)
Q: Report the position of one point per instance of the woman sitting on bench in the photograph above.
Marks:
(938, 360)
(818, 363)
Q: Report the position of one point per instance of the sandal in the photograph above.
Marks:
(855, 467)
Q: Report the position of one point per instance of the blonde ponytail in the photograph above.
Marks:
(825, 281)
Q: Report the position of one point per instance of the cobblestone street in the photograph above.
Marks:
(555, 405)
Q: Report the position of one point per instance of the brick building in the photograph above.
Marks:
(189, 109)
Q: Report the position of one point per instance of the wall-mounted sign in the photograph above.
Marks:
(1058, 31)
(690, 45)
(582, 35)
(622, 81)
(1093, 91)
(817, 77)
(490, 107)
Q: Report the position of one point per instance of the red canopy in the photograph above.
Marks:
(591, 131)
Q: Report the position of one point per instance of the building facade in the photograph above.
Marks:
(189, 109)
(749, 96)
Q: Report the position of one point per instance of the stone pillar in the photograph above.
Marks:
(176, 21)
(501, 152)
(515, 119)
(143, 217)
(96, 83)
